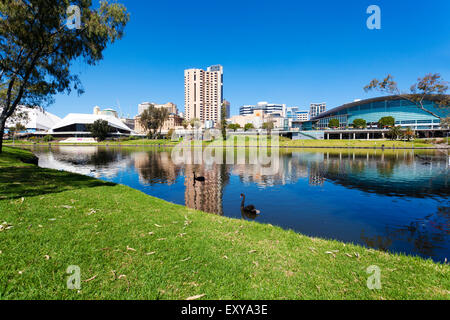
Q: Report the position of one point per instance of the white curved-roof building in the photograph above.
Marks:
(75, 123)
(37, 119)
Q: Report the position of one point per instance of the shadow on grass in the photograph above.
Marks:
(33, 181)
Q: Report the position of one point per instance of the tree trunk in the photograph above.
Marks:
(2, 132)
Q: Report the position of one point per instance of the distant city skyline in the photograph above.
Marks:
(299, 53)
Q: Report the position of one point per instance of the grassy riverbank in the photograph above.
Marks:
(253, 141)
(133, 246)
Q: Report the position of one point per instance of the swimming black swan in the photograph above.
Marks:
(200, 179)
(250, 209)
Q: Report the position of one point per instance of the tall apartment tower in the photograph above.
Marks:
(316, 109)
(203, 93)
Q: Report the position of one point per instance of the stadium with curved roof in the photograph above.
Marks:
(77, 124)
(405, 113)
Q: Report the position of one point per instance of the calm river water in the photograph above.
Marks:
(389, 200)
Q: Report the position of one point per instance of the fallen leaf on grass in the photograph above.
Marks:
(196, 297)
(150, 253)
(332, 253)
(349, 255)
(5, 226)
(225, 257)
(67, 207)
(158, 226)
(187, 259)
(151, 233)
(162, 239)
(130, 249)
(47, 257)
(252, 251)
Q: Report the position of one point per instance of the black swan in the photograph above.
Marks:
(200, 179)
(250, 209)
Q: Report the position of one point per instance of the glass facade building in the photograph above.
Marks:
(296, 114)
(405, 113)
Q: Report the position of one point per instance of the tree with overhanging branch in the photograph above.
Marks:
(38, 46)
(430, 85)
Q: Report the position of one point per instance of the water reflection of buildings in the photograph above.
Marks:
(289, 171)
(206, 196)
(156, 167)
(316, 175)
(86, 160)
(400, 174)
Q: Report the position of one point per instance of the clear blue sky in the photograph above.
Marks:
(293, 52)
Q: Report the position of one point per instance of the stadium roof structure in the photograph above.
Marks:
(36, 119)
(85, 119)
(432, 97)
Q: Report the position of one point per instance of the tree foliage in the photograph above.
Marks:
(386, 122)
(152, 120)
(195, 123)
(249, 126)
(395, 132)
(99, 129)
(445, 123)
(430, 84)
(359, 123)
(223, 121)
(334, 123)
(37, 48)
(234, 126)
(408, 134)
(267, 125)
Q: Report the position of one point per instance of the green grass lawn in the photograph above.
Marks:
(14, 157)
(253, 141)
(108, 142)
(355, 143)
(133, 246)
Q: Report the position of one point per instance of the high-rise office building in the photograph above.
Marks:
(203, 93)
(263, 106)
(296, 114)
(316, 109)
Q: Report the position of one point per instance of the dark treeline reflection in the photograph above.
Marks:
(425, 234)
(388, 200)
(401, 174)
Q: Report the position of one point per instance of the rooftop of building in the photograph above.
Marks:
(433, 97)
